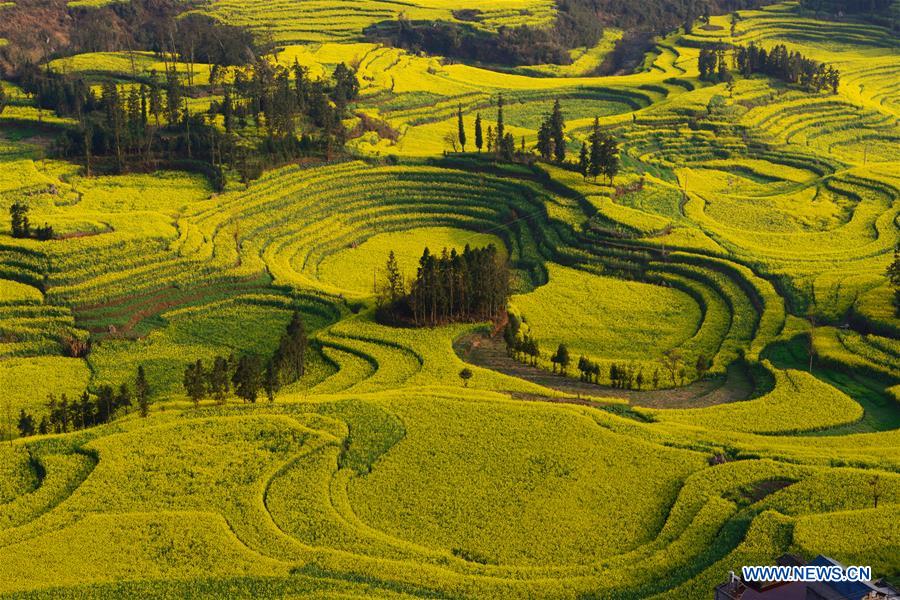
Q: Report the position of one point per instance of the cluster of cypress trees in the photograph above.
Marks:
(551, 142)
(497, 141)
(791, 67)
(247, 375)
(599, 156)
(713, 65)
(470, 286)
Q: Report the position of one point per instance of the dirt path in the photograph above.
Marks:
(490, 353)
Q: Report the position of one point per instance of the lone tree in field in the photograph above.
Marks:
(247, 378)
(451, 139)
(479, 137)
(460, 128)
(195, 381)
(142, 391)
(465, 375)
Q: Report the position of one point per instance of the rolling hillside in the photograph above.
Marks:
(735, 268)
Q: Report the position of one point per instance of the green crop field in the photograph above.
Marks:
(730, 286)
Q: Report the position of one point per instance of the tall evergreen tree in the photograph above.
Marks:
(479, 138)
(346, 86)
(142, 391)
(18, 216)
(508, 147)
(271, 380)
(596, 154)
(395, 286)
(461, 128)
(558, 132)
(501, 128)
(123, 398)
(154, 100)
(247, 378)
(105, 403)
(290, 357)
(63, 415)
(26, 424)
(218, 380)
(893, 274)
(610, 158)
(195, 381)
(545, 141)
(584, 161)
(86, 413)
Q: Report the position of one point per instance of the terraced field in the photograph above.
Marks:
(743, 235)
(293, 21)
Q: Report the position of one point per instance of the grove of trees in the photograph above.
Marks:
(246, 375)
(268, 114)
(599, 156)
(20, 225)
(791, 67)
(467, 286)
(89, 409)
(779, 62)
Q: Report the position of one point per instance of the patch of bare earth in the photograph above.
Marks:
(490, 353)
